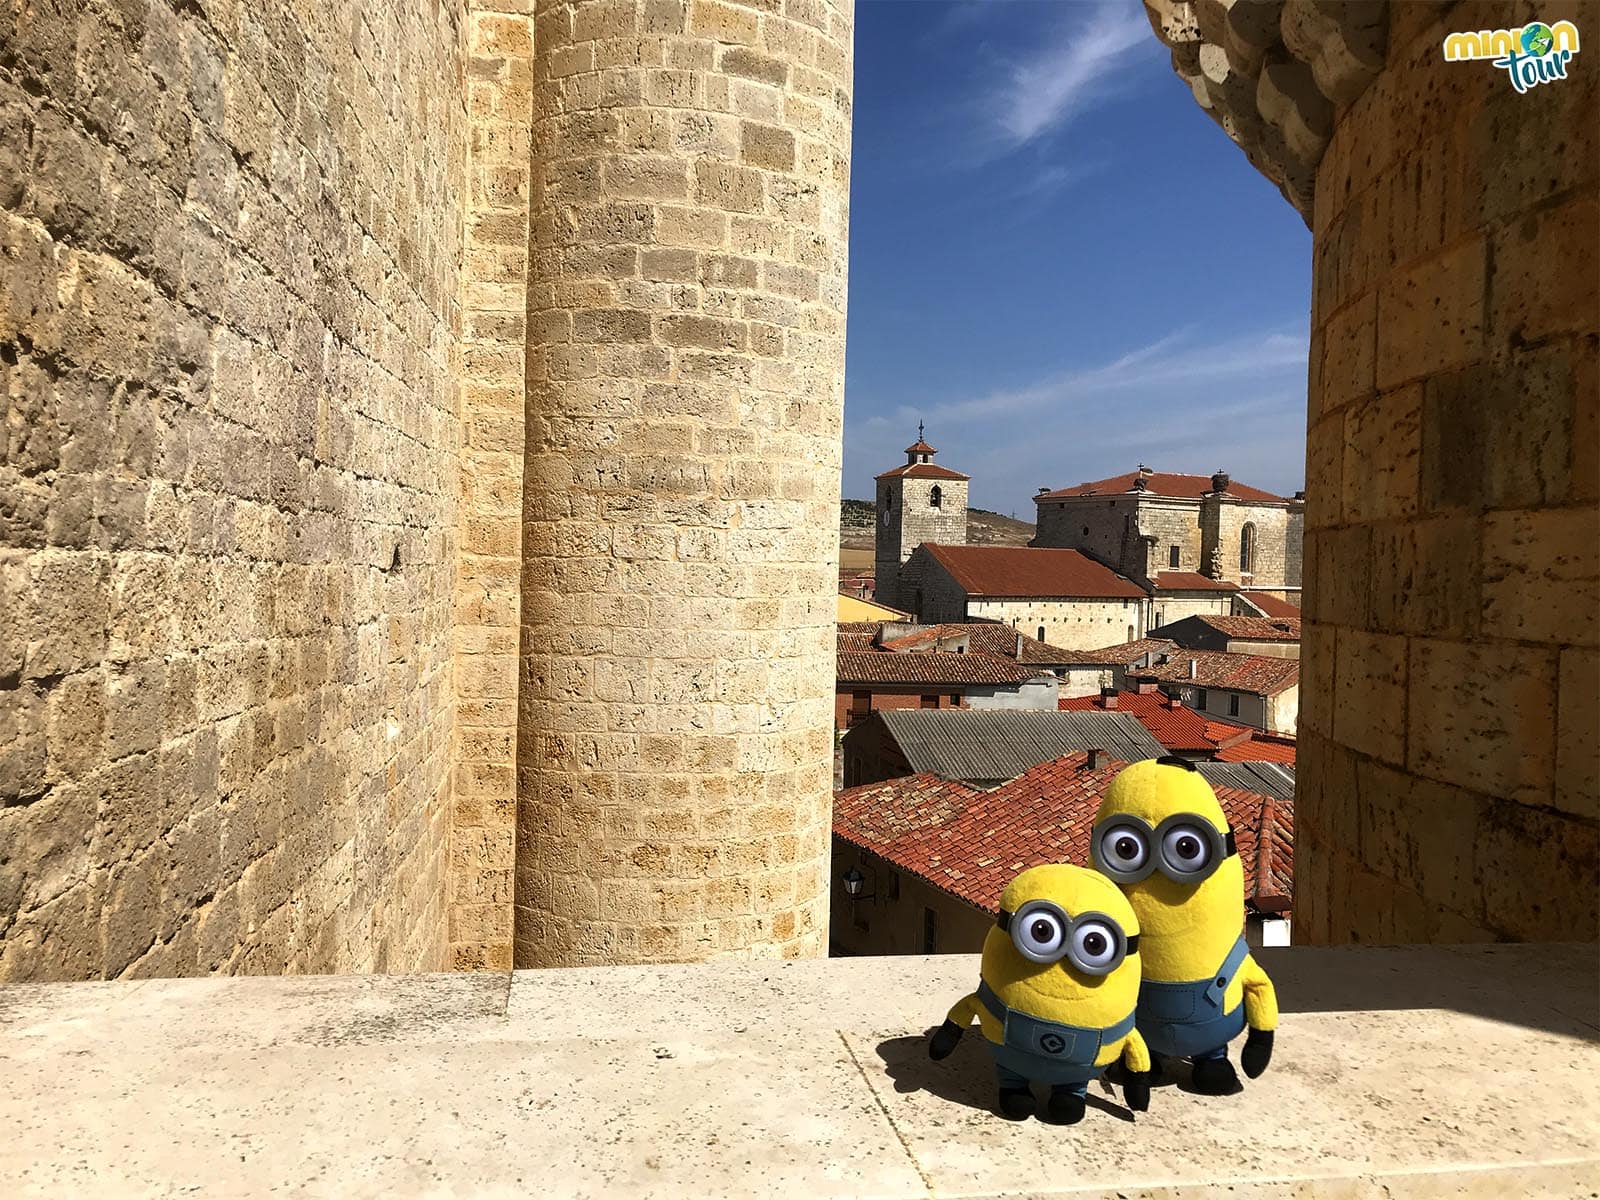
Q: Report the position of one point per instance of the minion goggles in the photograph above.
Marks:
(1043, 932)
(1185, 847)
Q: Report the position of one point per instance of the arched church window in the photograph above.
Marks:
(1247, 549)
(936, 497)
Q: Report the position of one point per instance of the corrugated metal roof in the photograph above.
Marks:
(992, 744)
(1268, 778)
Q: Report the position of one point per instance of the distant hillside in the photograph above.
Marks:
(857, 521)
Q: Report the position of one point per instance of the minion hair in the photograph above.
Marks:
(1172, 760)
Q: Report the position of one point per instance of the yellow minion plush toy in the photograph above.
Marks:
(1162, 836)
(1056, 992)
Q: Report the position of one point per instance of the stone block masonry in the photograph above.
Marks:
(680, 505)
(1448, 791)
(499, 81)
(230, 271)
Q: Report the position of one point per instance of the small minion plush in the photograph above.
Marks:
(1162, 836)
(1056, 992)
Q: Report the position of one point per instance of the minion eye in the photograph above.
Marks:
(1094, 945)
(1124, 848)
(1040, 936)
(1185, 848)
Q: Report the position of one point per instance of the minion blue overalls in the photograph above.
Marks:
(1185, 1020)
(1046, 1051)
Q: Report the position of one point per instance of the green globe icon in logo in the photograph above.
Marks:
(1537, 40)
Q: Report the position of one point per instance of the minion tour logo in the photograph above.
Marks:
(1537, 53)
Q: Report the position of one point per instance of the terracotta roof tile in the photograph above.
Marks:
(1175, 725)
(1272, 606)
(879, 666)
(1160, 483)
(1255, 629)
(1253, 673)
(1031, 571)
(923, 471)
(971, 843)
(1263, 747)
(986, 637)
(1124, 653)
(1191, 581)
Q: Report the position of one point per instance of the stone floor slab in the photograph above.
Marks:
(1408, 1071)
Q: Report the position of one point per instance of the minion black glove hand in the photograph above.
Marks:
(944, 1040)
(1136, 1090)
(1257, 1052)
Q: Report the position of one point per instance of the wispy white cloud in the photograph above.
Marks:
(1180, 402)
(1087, 62)
(1176, 359)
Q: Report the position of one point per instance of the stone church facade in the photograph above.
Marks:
(1148, 522)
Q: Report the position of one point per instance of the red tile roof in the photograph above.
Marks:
(1255, 629)
(855, 641)
(879, 666)
(1027, 571)
(1271, 605)
(1174, 724)
(971, 843)
(986, 637)
(1191, 581)
(1125, 653)
(923, 471)
(1253, 673)
(1160, 483)
(920, 447)
(1262, 747)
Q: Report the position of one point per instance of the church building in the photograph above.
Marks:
(917, 502)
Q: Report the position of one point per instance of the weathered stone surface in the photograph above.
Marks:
(777, 1080)
(230, 266)
(679, 510)
(1272, 74)
(1452, 465)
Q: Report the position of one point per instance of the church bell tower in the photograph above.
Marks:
(918, 502)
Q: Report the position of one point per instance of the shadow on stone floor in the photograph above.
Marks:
(1553, 987)
(967, 1076)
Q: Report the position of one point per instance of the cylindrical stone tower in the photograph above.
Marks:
(686, 321)
(1450, 666)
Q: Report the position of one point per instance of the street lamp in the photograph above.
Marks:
(853, 880)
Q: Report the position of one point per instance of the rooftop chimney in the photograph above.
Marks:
(1145, 685)
(1108, 697)
(1019, 647)
(1174, 701)
(1091, 759)
(1194, 669)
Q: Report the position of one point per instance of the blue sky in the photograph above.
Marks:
(1058, 261)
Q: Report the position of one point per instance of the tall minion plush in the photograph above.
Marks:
(1056, 992)
(1162, 836)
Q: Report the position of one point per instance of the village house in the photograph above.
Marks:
(985, 747)
(1272, 637)
(919, 862)
(1182, 730)
(1249, 689)
(872, 680)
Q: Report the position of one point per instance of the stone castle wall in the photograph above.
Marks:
(685, 378)
(1448, 784)
(912, 521)
(229, 268)
(494, 291)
